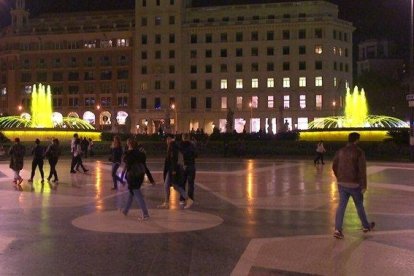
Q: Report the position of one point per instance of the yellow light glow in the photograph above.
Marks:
(342, 135)
(46, 134)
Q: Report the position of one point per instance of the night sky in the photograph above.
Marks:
(372, 18)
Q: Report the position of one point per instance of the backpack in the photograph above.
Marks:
(136, 173)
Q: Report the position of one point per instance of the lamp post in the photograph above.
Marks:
(173, 107)
(334, 107)
(251, 116)
(410, 97)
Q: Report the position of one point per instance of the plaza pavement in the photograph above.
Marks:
(251, 217)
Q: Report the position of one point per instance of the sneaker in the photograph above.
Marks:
(189, 203)
(164, 205)
(144, 218)
(85, 171)
(123, 212)
(371, 227)
(338, 234)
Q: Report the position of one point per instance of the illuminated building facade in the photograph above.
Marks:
(168, 64)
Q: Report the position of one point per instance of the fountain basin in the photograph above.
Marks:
(45, 134)
(367, 134)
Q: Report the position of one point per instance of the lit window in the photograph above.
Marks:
(286, 82)
(302, 101)
(318, 81)
(239, 83)
(318, 100)
(270, 102)
(302, 82)
(239, 103)
(270, 82)
(334, 50)
(255, 83)
(224, 102)
(318, 49)
(335, 82)
(286, 101)
(303, 123)
(223, 84)
(255, 101)
(122, 42)
(340, 51)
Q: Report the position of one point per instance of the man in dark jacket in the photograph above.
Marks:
(38, 153)
(188, 150)
(349, 167)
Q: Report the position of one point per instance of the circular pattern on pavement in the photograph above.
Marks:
(161, 221)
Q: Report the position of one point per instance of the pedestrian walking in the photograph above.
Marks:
(189, 152)
(16, 153)
(116, 159)
(173, 173)
(147, 171)
(72, 150)
(84, 147)
(134, 161)
(78, 156)
(38, 153)
(320, 151)
(349, 167)
(52, 154)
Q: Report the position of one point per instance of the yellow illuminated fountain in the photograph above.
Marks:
(356, 118)
(42, 124)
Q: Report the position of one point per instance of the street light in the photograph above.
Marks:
(333, 107)
(175, 119)
(19, 107)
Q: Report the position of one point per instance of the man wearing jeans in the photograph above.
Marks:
(349, 167)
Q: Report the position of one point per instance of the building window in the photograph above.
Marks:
(255, 52)
(144, 55)
(318, 101)
(208, 103)
(302, 82)
(209, 84)
(193, 103)
(270, 82)
(270, 102)
(239, 36)
(302, 65)
(223, 84)
(89, 101)
(171, 85)
(255, 83)
(270, 66)
(209, 38)
(171, 54)
(318, 65)
(143, 103)
(223, 53)
(254, 36)
(318, 33)
(144, 39)
(302, 50)
(286, 101)
(239, 103)
(223, 68)
(223, 37)
(239, 67)
(335, 82)
(171, 38)
(171, 69)
(209, 68)
(239, 52)
(286, 82)
(171, 20)
(193, 69)
(122, 74)
(255, 102)
(73, 102)
(144, 22)
(157, 39)
(208, 53)
(223, 102)
(193, 84)
(106, 101)
(302, 101)
(270, 51)
(157, 85)
(286, 66)
(302, 34)
(318, 81)
(318, 49)
(286, 34)
(270, 35)
(193, 39)
(285, 50)
(255, 67)
(239, 83)
(157, 103)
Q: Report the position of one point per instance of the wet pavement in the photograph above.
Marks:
(250, 217)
